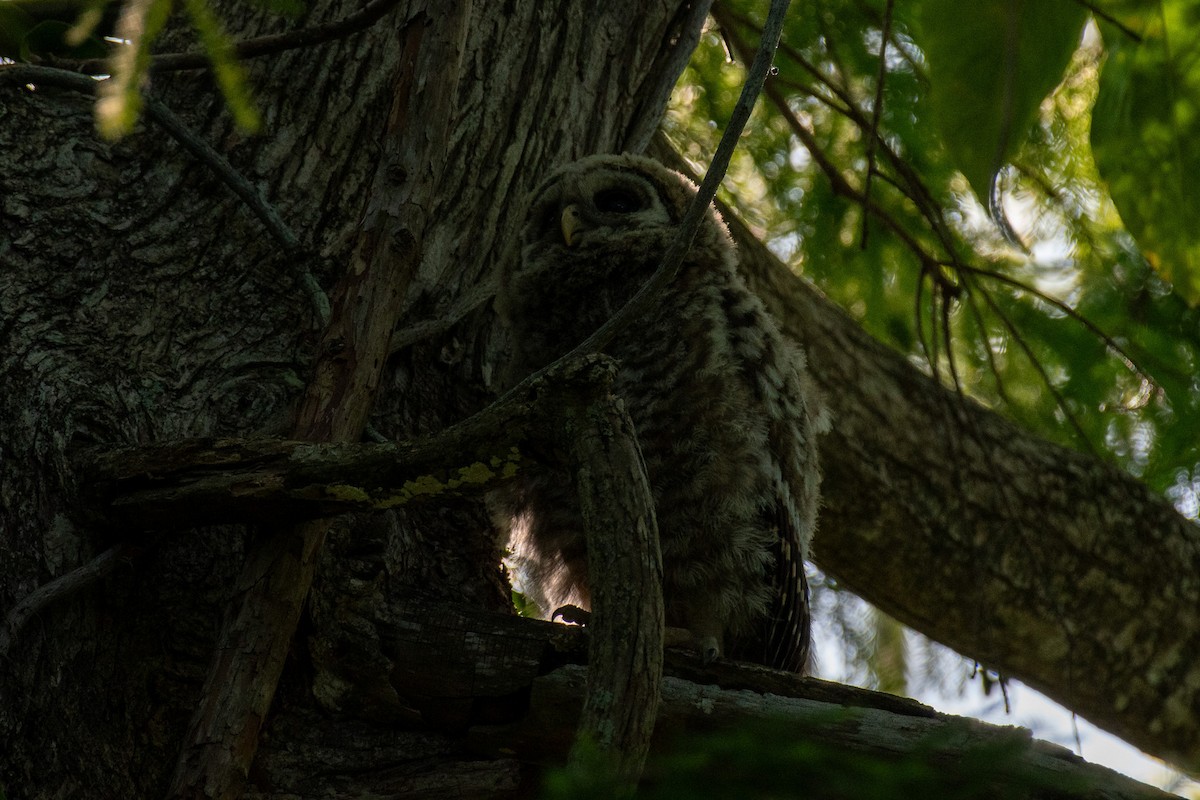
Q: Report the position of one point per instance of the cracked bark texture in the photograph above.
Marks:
(141, 301)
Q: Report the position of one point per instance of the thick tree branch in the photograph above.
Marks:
(1034, 559)
(625, 576)
(207, 481)
(516, 686)
(1002, 757)
(1052, 566)
(570, 409)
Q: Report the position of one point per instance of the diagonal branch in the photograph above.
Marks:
(222, 737)
(876, 112)
(1130, 362)
(1048, 567)
(57, 590)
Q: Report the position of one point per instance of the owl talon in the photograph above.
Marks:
(572, 615)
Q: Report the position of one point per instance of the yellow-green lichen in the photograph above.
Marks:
(477, 473)
(472, 473)
(348, 493)
(422, 485)
(507, 465)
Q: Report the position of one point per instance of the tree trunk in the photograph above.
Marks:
(141, 301)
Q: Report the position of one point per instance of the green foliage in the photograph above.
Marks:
(32, 29)
(231, 78)
(991, 63)
(1057, 318)
(120, 97)
(1067, 321)
(524, 606)
(791, 760)
(1145, 126)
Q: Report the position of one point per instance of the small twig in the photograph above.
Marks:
(876, 114)
(1110, 19)
(916, 190)
(464, 304)
(980, 324)
(34, 74)
(1036, 363)
(1130, 363)
(55, 591)
(935, 341)
(842, 187)
(228, 174)
(947, 337)
(202, 151)
(157, 111)
(919, 324)
(259, 46)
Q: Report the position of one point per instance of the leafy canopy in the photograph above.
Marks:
(1003, 190)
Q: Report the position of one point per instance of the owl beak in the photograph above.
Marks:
(570, 222)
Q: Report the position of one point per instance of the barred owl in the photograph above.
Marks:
(722, 405)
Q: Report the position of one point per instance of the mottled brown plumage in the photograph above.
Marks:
(723, 408)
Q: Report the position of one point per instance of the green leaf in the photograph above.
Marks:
(231, 78)
(50, 38)
(31, 28)
(15, 25)
(1144, 132)
(991, 63)
(120, 99)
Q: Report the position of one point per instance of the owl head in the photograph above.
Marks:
(595, 232)
(626, 204)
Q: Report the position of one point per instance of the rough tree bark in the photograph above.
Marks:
(143, 302)
(140, 301)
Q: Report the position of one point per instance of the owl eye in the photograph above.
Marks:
(617, 201)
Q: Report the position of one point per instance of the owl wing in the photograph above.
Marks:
(783, 639)
(797, 476)
(787, 641)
